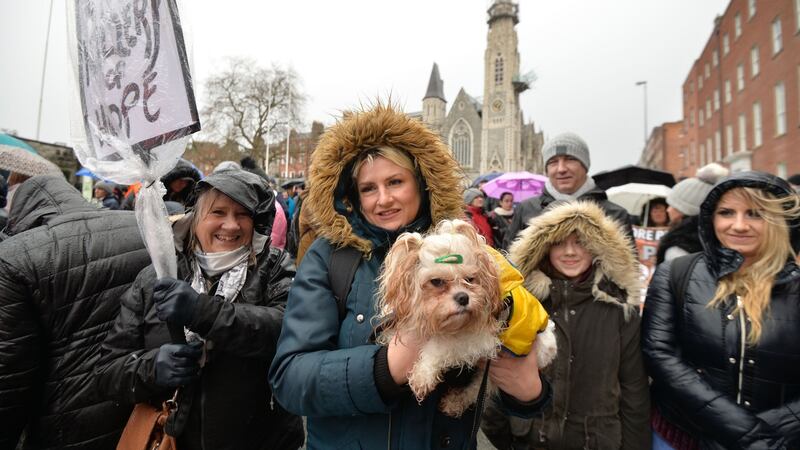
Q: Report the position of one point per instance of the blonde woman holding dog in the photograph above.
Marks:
(721, 328)
(579, 262)
(374, 175)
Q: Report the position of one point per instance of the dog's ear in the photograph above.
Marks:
(398, 284)
(489, 278)
(459, 226)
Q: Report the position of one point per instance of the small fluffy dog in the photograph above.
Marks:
(443, 288)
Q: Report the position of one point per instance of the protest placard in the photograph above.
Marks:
(135, 86)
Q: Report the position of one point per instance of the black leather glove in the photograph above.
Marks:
(178, 364)
(175, 300)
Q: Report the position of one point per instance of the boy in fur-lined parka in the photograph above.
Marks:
(580, 264)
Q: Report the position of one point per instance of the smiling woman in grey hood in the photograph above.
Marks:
(229, 298)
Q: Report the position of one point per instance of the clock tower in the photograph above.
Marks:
(502, 118)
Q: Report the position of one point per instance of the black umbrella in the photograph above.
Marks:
(291, 183)
(633, 174)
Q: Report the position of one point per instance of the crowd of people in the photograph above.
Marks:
(272, 315)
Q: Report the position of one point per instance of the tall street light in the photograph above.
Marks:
(644, 83)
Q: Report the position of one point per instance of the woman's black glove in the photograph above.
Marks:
(178, 364)
(175, 301)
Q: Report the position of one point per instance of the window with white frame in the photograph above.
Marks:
(717, 146)
(742, 132)
(797, 15)
(780, 109)
(756, 124)
(708, 109)
(700, 117)
(715, 58)
(716, 99)
(777, 36)
(755, 66)
(726, 43)
(751, 9)
(728, 93)
(702, 155)
(691, 117)
(740, 77)
(780, 170)
(461, 139)
(709, 150)
(699, 82)
(707, 71)
(737, 26)
(728, 139)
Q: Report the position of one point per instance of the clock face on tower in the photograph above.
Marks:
(497, 105)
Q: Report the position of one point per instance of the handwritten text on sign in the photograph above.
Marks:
(135, 84)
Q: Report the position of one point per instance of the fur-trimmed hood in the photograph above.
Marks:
(616, 276)
(359, 131)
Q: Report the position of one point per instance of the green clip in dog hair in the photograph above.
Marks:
(452, 258)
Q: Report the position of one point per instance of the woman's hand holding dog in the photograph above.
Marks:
(401, 355)
(517, 376)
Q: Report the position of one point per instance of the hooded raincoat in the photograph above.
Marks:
(230, 405)
(325, 368)
(708, 382)
(600, 394)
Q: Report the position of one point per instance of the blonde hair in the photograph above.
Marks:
(394, 155)
(753, 284)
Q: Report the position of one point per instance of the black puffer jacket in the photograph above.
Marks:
(533, 207)
(230, 405)
(60, 284)
(706, 380)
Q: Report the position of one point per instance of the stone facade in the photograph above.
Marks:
(489, 133)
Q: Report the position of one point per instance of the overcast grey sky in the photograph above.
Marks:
(588, 55)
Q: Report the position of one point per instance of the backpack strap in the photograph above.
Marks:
(342, 268)
(680, 269)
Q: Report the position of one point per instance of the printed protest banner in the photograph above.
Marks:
(647, 239)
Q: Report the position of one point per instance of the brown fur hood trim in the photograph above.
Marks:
(614, 258)
(356, 132)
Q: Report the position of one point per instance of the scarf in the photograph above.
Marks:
(588, 185)
(503, 212)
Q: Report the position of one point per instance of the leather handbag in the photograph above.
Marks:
(145, 427)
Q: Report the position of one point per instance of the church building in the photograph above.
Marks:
(488, 133)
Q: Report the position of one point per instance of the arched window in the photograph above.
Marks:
(498, 69)
(461, 143)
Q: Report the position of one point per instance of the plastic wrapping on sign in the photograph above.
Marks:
(151, 214)
(133, 103)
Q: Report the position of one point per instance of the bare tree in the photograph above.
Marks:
(247, 103)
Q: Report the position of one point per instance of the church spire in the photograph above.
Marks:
(503, 8)
(435, 85)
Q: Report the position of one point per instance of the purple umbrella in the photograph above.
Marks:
(523, 185)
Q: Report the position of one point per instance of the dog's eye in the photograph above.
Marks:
(469, 280)
(437, 282)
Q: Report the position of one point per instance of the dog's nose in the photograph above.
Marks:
(462, 298)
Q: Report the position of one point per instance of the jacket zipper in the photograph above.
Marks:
(742, 338)
(389, 440)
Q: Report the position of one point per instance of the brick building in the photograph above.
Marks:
(665, 142)
(301, 145)
(741, 98)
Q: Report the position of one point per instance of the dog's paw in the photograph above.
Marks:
(545, 345)
(421, 385)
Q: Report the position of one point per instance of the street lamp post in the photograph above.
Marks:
(644, 84)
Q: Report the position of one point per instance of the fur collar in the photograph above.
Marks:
(616, 277)
(359, 131)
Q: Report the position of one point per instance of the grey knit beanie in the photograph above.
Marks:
(688, 195)
(105, 186)
(567, 144)
(471, 194)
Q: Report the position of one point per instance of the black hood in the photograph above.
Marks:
(40, 198)
(724, 260)
(248, 190)
(181, 170)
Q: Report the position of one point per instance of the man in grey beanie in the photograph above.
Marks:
(567, 163)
